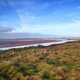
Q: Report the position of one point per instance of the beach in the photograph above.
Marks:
(37, 44)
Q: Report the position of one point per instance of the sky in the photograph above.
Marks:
(55, 17)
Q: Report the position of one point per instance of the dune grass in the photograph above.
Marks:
(55, 62)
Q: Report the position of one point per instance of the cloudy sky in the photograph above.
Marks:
(56, 17)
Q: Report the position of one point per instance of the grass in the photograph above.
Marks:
(55, 62)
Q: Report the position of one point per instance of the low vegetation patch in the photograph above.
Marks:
(55, 62)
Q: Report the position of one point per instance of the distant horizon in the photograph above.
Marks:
(32, 35)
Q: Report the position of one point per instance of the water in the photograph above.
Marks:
(35, 45)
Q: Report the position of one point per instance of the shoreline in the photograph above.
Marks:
(37, 44)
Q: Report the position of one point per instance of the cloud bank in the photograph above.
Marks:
(5, 29)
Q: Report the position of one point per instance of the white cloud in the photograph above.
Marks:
(68, 29)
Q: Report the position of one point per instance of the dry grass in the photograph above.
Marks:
(57, 62)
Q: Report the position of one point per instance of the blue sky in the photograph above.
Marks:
(56, 17)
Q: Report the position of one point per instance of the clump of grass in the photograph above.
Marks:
(4, 77)
(45, 76)
(28, 69)
(53, 62)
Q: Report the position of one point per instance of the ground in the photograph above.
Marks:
(55, 62)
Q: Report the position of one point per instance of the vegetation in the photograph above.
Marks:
(56, 62)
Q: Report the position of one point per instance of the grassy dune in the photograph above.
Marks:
(56, 62)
